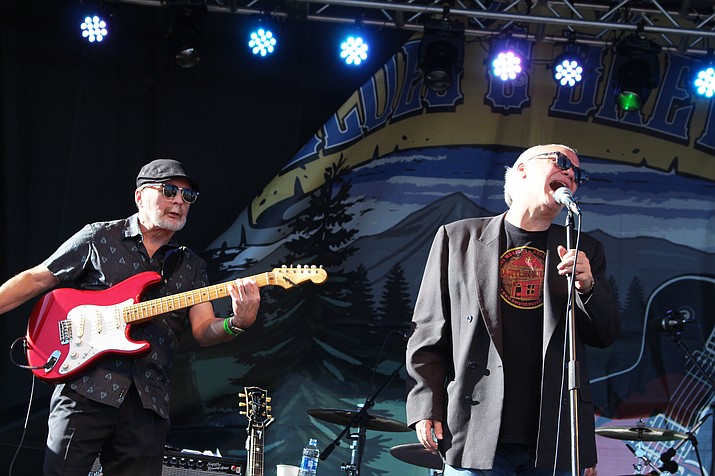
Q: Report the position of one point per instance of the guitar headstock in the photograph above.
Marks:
(289, 277)
(255, 400)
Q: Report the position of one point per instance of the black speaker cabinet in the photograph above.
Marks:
(177, 463)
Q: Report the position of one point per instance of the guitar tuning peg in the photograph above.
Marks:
(268, 399)
(241, 404)
(312, 266)
(268, 408)
(242, 395)
(242, 413)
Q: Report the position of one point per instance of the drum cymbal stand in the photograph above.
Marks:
(358, 420)
(357, 449)
(639, 453)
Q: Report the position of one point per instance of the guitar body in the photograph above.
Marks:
(69, 329)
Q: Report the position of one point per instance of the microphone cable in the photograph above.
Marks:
(24, 428)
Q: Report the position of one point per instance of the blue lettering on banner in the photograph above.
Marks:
(673, 108)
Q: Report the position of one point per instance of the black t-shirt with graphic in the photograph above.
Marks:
(521, 275)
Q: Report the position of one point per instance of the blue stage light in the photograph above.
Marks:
(94, 29)
(704, 82)
(568, 69)
(353, 50)
(262, 42)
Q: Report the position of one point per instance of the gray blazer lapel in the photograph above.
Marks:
(488, 277)
(555, 288)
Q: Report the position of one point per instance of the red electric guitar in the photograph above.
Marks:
(69, 329)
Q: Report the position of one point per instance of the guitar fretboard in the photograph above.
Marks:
(148, 309)
(255, 457)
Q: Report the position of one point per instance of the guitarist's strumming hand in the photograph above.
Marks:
(245, 299)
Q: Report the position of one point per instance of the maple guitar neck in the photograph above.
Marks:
(285, 277)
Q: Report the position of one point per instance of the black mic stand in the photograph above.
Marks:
(574, 381)
(358, 420)
(674, 331)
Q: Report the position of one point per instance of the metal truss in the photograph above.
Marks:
(685, 26)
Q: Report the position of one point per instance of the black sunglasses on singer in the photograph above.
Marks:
(170, 191)
(564, 163)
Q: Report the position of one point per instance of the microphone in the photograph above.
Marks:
(563, 196)
(675, 320)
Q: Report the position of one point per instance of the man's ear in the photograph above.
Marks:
(522, 169)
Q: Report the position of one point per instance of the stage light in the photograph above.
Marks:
(353, 50)
(507, 65)
(94, 29)
(183, 34)
(568, 69)
(441, 54)
(636, 71)
(262, 42)
(507, 58)
(704, 79)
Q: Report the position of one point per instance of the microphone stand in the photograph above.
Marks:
(358, 420)
(574, 382)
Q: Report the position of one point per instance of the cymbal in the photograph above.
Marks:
(640, 433)
(415, 453)
(370, 422)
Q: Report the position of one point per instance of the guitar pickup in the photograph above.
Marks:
(65, 331)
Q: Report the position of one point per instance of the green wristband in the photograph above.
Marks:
(231, 329)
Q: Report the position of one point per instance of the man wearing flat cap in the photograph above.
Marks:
(117, 408)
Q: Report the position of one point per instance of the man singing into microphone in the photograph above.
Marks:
(487, 356)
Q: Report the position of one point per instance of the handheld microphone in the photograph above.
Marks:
(563, 196)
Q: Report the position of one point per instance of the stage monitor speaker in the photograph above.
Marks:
(177, 463)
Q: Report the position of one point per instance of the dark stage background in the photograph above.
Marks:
(79, 120)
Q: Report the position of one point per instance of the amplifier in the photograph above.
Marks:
(177, 463)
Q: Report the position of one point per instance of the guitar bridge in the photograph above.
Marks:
(65, 331)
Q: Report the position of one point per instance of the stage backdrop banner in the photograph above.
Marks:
(363, 199)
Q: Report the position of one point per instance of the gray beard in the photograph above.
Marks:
(159, 221)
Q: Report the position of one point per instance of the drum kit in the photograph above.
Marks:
(411, 453)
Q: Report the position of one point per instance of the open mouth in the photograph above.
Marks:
(557, 184)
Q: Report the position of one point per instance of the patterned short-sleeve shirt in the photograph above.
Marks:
(104, 254)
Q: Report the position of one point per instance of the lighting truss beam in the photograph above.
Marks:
(685, 32)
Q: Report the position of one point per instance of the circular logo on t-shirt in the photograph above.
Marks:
(521, 273)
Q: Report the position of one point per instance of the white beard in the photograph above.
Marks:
(156, 218)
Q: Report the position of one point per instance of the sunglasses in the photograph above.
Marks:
(564, 163)
(170, 191)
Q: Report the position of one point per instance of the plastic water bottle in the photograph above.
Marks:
(309, 462)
